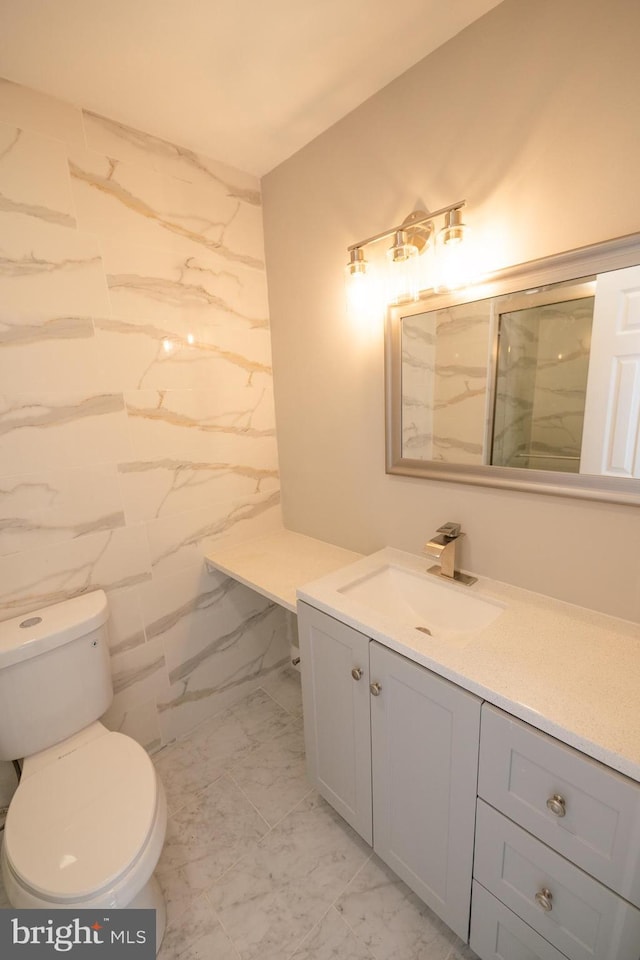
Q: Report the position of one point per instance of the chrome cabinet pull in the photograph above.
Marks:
(544, 898)
(557, 804)
(356, 673)
(375, 689)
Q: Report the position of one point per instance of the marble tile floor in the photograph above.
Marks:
(257, 865)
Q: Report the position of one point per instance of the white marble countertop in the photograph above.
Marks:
(569, 671)
(277, 564)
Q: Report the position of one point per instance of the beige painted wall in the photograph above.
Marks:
(531, 114)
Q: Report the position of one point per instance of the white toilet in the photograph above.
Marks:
(87, 822)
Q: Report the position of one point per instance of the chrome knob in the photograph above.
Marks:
(375, 689)
(557, 804)
(356, 673)
(544, 898)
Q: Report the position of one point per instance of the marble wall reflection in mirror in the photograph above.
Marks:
(530, 381)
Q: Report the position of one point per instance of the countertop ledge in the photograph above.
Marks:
(571, 672)
(277, 564)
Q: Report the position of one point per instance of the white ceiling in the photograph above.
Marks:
(244, 81)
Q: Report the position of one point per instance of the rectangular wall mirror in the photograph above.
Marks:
(529, 381)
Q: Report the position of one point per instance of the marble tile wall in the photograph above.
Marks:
(445, 357)
(418, 378)
(136, 402)
(561, 385)
(541, 386)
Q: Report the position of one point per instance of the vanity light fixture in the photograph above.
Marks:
(452, 251)
(403, 274)
(454, 229)
(406, 275)
(362, 299)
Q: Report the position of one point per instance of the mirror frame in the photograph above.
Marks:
(571, 265)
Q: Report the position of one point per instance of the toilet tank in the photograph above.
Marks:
(55, 674)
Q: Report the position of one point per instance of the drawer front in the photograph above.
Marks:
(596, 823)
(584, 920)
(498, 934)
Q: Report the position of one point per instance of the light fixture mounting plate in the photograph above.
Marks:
(418, 233)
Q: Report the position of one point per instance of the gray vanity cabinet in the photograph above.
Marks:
(394, 748)
(335, 690)
(557, 865)
(424, 736)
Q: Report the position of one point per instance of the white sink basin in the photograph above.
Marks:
(422, 601)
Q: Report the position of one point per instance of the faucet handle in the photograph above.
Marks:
(450, 530)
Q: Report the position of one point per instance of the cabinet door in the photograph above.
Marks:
(334, 662)
(425, 733)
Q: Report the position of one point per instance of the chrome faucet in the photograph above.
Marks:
(442, 547)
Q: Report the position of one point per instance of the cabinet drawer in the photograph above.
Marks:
(584, 920)
(597, 820)
(498, 934)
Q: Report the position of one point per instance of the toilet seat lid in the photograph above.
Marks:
(76, 825)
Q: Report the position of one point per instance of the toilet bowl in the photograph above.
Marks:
(86, 825)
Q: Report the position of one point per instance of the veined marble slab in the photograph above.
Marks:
(41, 113)
(178, 541)
(198, 293)
(158, 488)
(48, 352)
(444, 374)
(37, 578)
(57, 430)
(47, 266)
(139, 675)
(39, 509)
(229, 666)
(198, 425)
(145, 355)
(120, 142)
(126, 626)
(35, 177)
(129, 199)
(137, 425)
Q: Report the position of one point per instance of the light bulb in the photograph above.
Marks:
(403, 275)
(361, 290)
(453, 264)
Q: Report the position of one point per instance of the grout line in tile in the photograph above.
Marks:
(185, 738)
(196, 794)
(281, 705)
(333, 905)
(368, 946)
(221, 877)
(285, 815)
(346, 887)
(222, 926)
(230, 777)
(454, 947)
(308, 934)
(244, 856)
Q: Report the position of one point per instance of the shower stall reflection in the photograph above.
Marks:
(540, 385)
